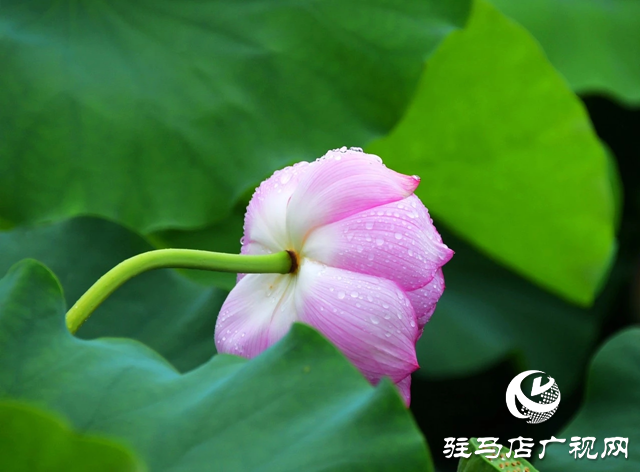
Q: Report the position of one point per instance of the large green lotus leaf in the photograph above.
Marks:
(508, 157)
(595, 44)
(299, 406)
(32, 440)
(611, 409)
(487, 313)
(162, 309)
(162, 113)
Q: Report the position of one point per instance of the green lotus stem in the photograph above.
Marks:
(278, 263)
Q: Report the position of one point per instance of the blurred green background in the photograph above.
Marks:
(126, 126)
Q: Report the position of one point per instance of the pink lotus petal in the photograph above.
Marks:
(340, 184)
(424, 299)
(369, 319)
(256, 314)
(369, 275)
(396, 241)
(265, 220)
(404, 386)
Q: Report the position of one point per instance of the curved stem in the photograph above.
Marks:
(278, 263)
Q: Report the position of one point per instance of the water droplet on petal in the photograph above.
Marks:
(379, 241)
(354, 294)
(341, 295)
(398, 236)
(369, 225)
(286, 177)
(374, 320)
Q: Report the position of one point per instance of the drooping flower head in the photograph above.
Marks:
(369, 264)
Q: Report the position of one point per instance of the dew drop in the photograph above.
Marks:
(374, 320)
(369, 225)
(341, 295)
(385, 306)
(379, 241)
(286, 177)
(354, 294)
(398, 236)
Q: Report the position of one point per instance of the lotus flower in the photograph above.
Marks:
(369, 264)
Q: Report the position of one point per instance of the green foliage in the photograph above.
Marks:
(509, 158)
(595, 44)
(32, 440)
(132, 125)
(611, 409)
(161, 309)
(480, 463)
(299, 406)
(161, 114)
(488, 313)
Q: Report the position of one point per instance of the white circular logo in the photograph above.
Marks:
(544, 400)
